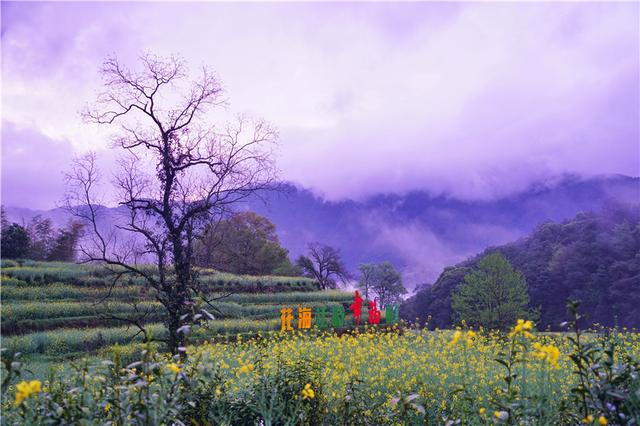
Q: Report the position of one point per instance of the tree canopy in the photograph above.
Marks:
(325, 264)
(15, 241)
(493, 295)
(365, 282)
(381, 281)
(245, 243)
(39, 240)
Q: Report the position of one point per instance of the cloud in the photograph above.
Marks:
(474, 100)
(29, 178)
(421, 252)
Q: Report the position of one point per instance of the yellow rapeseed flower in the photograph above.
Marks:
(588, 419)
(602, 421)
(482, 411)
(522, 327)
(174, 367)
(471, 336)
(549, 353)
(307, 392)
(456, 337)
(25, 389)
(246, 368)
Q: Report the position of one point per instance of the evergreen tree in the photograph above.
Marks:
(494, 295)
(64, 247)
(15, 241)
(42, 236)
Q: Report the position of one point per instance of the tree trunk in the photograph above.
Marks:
(174, 339)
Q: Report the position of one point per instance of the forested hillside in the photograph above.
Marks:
(595, 257)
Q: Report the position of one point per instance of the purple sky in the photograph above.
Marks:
(476, 100)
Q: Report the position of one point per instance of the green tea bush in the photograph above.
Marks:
(7, 282)
(42, 310)
(35, 273)
(61, 342)
(45, 275)
(292, 297)
(8, 263)
(58, 291)
(78, 322)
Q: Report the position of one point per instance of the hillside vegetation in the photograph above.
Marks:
(594, 258)
(60, 309)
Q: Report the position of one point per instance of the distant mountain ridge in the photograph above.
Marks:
(419, 232)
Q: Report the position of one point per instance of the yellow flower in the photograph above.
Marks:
(522, 327)
(549, 353)
(588, 419)
(174, 367)
(602, 421)
(307, 392)
(456, 336)
(25, 389)
(107, 407)
(471, 336)
(246, 368)
(482, 411)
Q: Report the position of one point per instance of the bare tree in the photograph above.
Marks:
(367, 273)
(177, 173)
(324, 264)
(386, 283)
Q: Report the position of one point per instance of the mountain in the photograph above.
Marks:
(419, 232)
(594, 257)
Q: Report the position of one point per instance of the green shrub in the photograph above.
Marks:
(7, 281)
(58, 291)
(97, 275)
(8, 263)
(45, 310)
(60, 342)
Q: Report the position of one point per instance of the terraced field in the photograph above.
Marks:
(55, 311)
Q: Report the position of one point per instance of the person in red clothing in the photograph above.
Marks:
(374, 313)
(356, 307)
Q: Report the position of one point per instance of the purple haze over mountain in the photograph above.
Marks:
(418, 232)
